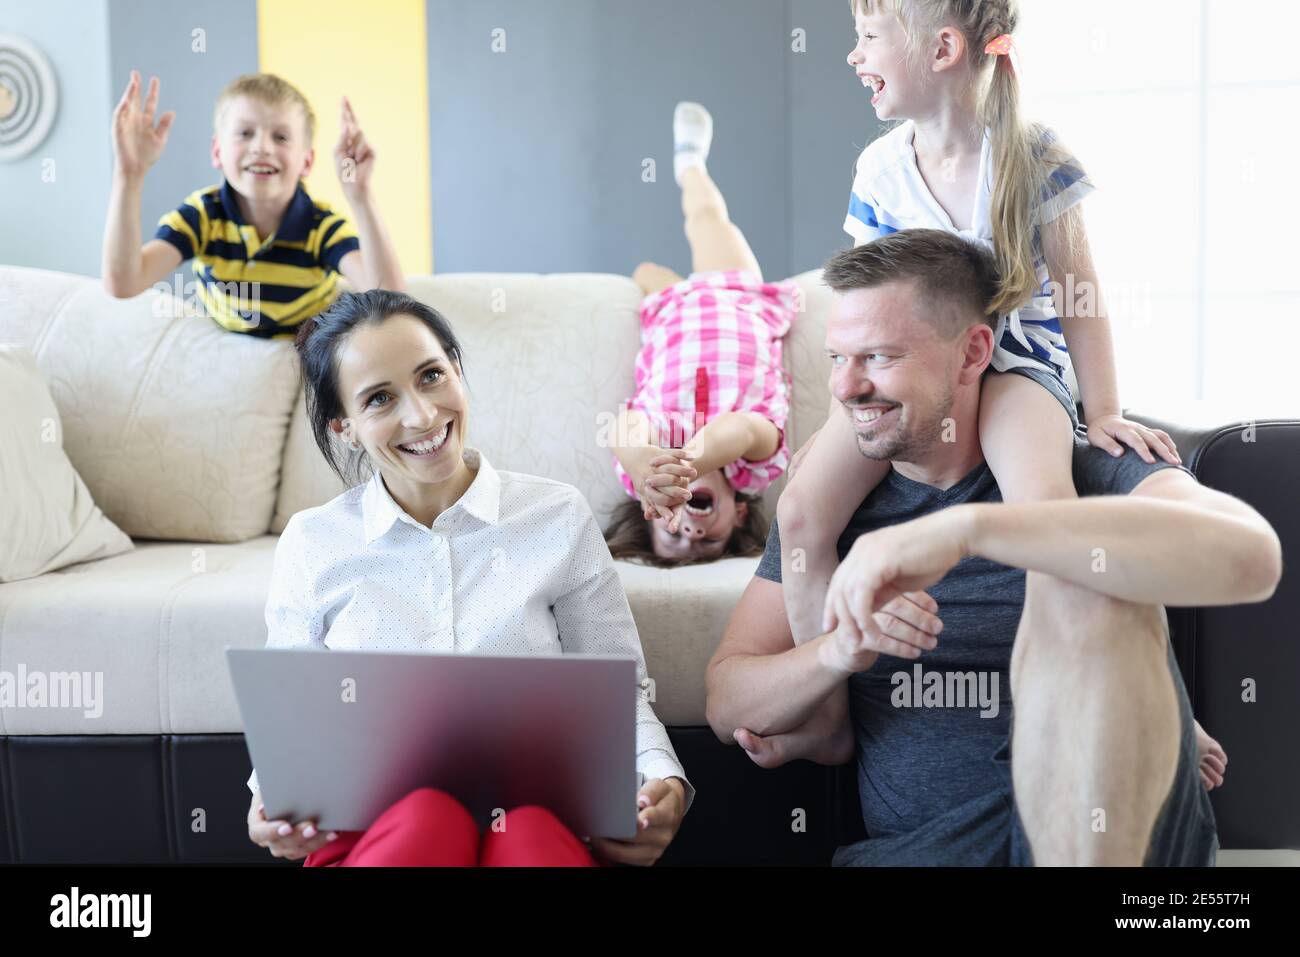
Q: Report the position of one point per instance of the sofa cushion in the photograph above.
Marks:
(47, 517)
(680, 614)
(154, 623)
(176, 426)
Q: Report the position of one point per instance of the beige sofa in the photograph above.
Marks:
(195, 443)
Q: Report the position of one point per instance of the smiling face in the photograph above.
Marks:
(895, 375)
(262, 148)
(405, 402)
(708, 521)
(880, 60)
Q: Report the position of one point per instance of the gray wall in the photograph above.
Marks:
(830, 123)
(93, 45)
(59, 224)
(536, 153)
(156, 38)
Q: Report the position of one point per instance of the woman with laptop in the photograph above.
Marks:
(440, 552)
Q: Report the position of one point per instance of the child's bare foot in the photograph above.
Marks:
(838, 748)
(816, 740)
(1210, 758)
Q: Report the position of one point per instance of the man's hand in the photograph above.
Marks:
(137, 142)
(881, 567)
(660, 807)
(354, 158)
(827, 737)
(1108, 431)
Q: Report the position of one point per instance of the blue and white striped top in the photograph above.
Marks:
(889, 194)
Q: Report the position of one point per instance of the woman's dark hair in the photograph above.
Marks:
(628, 536)
(318, 341)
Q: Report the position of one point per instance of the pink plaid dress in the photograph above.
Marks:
(712, 344)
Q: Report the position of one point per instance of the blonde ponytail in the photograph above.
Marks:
(1017, 154)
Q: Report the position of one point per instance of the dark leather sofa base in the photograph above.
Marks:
(138, 799)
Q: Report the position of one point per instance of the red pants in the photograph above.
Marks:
(430, 828)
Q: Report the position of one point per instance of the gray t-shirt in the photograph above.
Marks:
(926, 744)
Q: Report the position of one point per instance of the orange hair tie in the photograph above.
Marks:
(1000, 45)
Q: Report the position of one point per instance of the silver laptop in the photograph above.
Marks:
(338, 736)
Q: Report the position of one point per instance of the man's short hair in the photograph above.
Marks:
(266, 88)
(955, 278)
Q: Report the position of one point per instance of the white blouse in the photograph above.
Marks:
(517, 566)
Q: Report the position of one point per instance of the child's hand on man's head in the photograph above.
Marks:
(354, 158)
(137, 142)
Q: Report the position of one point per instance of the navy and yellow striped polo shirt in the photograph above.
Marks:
(262, 287)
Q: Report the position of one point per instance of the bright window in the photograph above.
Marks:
(1187, 119)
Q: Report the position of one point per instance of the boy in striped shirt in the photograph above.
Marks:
(267, 255)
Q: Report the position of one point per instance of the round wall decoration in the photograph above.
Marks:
(29, 97)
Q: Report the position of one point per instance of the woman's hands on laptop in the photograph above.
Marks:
(283, 838)
(660, 806)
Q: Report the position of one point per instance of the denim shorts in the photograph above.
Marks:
(1053, 380)
(987, 830)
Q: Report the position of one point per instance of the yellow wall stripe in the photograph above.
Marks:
(376, 54)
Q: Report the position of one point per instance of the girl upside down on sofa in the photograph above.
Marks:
(704, 432)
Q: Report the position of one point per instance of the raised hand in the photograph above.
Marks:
(354, 158)
(137, 141)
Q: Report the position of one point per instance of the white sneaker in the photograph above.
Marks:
(692, 137)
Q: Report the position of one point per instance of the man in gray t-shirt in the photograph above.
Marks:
(1101, 767)
(933, 779)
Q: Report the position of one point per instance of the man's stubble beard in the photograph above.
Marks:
(910, 444)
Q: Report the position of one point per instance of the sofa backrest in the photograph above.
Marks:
(183, 431)
(549, 359)
(176, 427)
